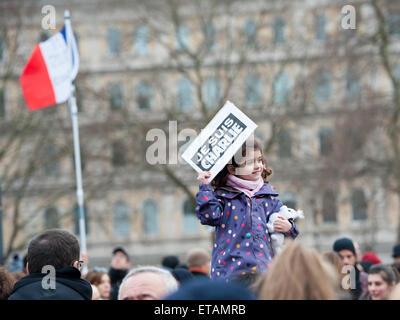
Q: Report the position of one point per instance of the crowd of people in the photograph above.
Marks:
(247, 260)
(298, 272)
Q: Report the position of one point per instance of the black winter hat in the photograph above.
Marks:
(121, 249)
(396, 251)
(344, 244)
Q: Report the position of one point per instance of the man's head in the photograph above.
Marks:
(120, 259)
(345, 248)
(396, 253)
(198, 258)
(54, 247)
(147, 283)
(170, 262)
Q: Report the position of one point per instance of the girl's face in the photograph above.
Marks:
(378, 288)
(104, 287)
(251, 168)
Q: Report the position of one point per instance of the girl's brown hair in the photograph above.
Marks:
(298, 273)
(95, 277)
(221, 177)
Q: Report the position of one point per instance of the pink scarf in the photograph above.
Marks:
(247, 186)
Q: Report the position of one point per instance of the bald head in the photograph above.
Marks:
(147, 283)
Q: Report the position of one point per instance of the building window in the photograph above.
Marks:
(329, 208)
(116, 96)
(281, 88)
(2, 103)
(51, 219)
(182, 37)
(150, 218)
(285, 145)
(323, 86)
(352, 85)
(50, 158)
(76, 219)
(320, 27)
(211, 92)
(141, 41)
(254, 90)
(118, 154)
(113, 41)
(121, 219)
(359, 205)
(325, 141)
(289, 200)
(2, 48)
(190, 221)
(279, 30)
(185, 100)
(250, 33)
(143, 96)
(209, 36)
(394, 23)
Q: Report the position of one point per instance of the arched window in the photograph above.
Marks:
(325, 141)
(352, 84)
(281, 88)
(190, 221)
(113, 41)
(182, 37)
(209, 36)
(250, 33)
(51, 159)
(143, 96)
(211, 92)
(51, 218)
(185, 100)
(141, 40)
(116, 95)
(121, 219)
(323, 86)
(150, 218)
(75, 215)
(118, 154)
(254, 90)
(3, 103)
(359, 205)
(285, 144)
(320, 27)
(279, 30)
(329, 206)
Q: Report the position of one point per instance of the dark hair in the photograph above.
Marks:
(170, 261)
(55, 247)
(95, 278)
(386, 272)
(7, 282)
(221, 177)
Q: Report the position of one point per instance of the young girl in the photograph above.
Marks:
(238, 203)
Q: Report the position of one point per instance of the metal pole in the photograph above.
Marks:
(78, 170)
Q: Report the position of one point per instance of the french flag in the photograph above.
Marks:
(47, 77)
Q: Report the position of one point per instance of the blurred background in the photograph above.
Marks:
(326, 98)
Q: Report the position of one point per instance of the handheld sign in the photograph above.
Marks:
(219, 140)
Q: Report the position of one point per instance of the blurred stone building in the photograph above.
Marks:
(289, 65)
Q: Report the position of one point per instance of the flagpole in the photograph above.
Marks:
(77, 154)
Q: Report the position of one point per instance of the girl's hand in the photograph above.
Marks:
(203, 176)
(282, 225)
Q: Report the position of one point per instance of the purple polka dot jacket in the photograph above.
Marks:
(242, 243)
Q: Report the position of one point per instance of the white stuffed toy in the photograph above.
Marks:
(277, 237)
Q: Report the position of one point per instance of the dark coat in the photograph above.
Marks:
(116, 277)
(69, 286)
